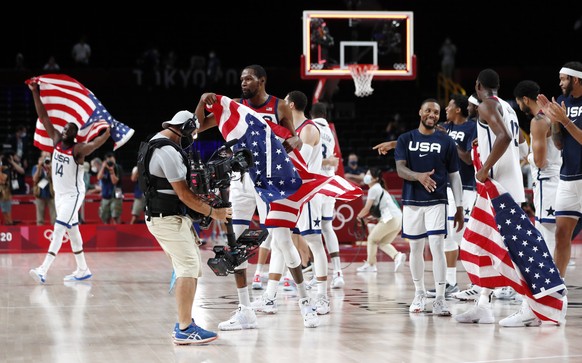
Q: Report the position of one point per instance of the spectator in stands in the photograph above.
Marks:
(19, 62)
(448, 51)
(81, 52)
(51, 65)
(43, 189)
(94, 168)
(353, 171)
(137, 208)
(111, 193)
(213, 69)
(394, 127)
(19, 143)
(5, 191)
(17, 173)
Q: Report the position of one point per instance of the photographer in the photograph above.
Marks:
(43, 189)
(12, 161)
(166, 208)
(111, 193)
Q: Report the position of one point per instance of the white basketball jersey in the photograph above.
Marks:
(316, 157)
(507, 170)
(66, 173)
(327, 144)
(552, 168)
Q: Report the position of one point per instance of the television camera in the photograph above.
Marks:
(216, 174)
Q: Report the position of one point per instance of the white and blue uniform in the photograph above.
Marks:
(310, 218)
(68, 184)
(545, 187)
(507, 170)
(327, 150)
(425, 213)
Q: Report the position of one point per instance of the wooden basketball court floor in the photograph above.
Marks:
(125, 313)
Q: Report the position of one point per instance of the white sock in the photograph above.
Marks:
(243, 296)
(272, 286)
(336, 263)
(452, 275)
(485, 297)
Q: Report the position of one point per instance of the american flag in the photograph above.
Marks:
(66, 100)
(280, 178)
(501, 247)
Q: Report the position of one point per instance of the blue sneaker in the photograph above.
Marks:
(193, 335)
(79, 275)
(36, 274)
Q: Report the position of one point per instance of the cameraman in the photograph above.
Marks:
(173, 229)
(111, 193)
(42, 190)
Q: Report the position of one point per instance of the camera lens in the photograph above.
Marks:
(109, 163)
(47, 161)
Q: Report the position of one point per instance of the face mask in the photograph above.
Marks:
(94, 169)
(353, 163)
(367, 179)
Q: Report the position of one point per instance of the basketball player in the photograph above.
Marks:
(462, 131)
(473, 291)
(328, 167)
(309, 223)
(567, 137)
(427, 160)
(69, 186)
(245, 200)
(545, 161)
(498, 137)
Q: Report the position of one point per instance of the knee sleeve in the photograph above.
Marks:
(267, 242)
(439, 261)
(76, 239)
(451, 244)
(417, 258)
(282, 240)
(57, 238)
(331, 240)
(319, 256)
(277, 262)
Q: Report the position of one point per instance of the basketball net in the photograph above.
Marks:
(362, 75)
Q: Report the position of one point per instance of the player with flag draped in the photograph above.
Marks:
(500, 246)
(260, 121)
(66, 100)
(67, 175)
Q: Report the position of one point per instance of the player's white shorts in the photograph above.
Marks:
(544, 198)
(569, 198)
(420, 222)
(453, 239)
(67, 206)
(310, 218)
(245, 201)
(327, 207)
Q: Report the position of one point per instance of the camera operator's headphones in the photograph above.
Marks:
(190, 126)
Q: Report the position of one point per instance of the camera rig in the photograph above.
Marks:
(216, 175)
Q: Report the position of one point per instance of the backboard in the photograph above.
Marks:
(334, 39)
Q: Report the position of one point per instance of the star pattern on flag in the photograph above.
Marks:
(271, 173)
(534, 259)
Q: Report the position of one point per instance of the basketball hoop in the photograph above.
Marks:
(362, 75)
